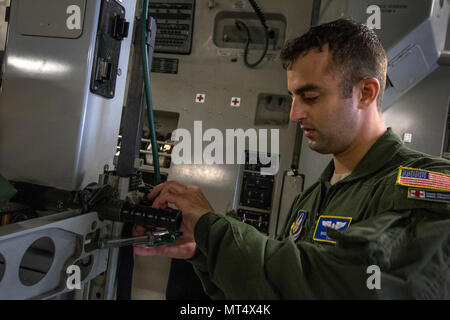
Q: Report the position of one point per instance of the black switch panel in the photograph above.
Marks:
(175, 25)
(256, 166)
(112, 29)
(257, 191)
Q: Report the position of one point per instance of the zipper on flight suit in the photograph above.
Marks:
(327, 198)
(311, 224)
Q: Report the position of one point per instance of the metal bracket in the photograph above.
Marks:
(68, 232)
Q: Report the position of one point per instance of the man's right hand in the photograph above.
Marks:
(192, 204)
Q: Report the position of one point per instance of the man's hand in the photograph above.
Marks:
(183, 248)
(192, 203)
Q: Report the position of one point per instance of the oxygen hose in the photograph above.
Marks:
(148, 94)
(259, 13)
(262, 19)
(266, 47)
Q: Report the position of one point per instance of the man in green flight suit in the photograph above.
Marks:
(376, 225)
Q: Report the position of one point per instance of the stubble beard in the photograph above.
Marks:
(339, 137)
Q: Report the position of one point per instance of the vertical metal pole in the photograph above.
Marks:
(86, 290)
(110, 281)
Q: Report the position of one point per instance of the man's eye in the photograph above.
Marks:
(310, 99)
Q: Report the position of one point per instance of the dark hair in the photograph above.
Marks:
(356, 50)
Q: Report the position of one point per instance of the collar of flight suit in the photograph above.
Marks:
(381, 153)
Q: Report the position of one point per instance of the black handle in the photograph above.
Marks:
(148, 216)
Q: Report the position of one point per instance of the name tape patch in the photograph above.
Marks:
(337, 223)
(429, 195)
(297, 225)
(419, 178)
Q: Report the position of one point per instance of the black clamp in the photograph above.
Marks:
(120, 28)
(93, 194)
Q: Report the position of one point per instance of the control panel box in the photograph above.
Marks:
(254, 194)
(175, 23)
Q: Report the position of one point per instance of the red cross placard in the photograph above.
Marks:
(235, 102)
(200, 98)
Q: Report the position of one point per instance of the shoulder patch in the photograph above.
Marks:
(419, 178)
(297, 225)
(337, 223)
(429, 195)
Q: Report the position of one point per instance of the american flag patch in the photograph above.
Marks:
(436, 196)
(420, 178)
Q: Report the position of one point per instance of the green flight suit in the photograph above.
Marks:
(407, 239)
(6, 191)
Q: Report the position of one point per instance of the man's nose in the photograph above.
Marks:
(297, 111)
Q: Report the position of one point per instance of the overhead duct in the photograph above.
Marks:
(413, 33)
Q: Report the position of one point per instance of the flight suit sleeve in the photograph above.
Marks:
(6, 191)
(394, 255)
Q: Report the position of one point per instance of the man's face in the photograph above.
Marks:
(329, 122)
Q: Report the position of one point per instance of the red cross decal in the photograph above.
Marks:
(417, 193)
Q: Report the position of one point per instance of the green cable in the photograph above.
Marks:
(148, 94)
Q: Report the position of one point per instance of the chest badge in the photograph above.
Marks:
(296, 227)
(337, 223)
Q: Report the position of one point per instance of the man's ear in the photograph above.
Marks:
(369, 89)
